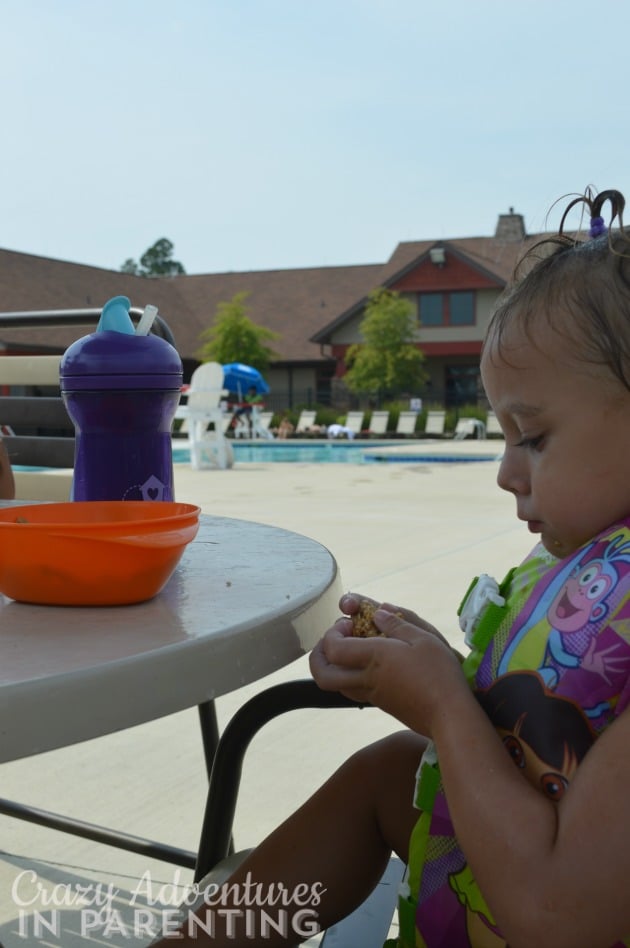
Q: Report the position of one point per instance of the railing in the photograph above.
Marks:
(56, 318)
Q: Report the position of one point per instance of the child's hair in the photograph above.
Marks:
(580, 284)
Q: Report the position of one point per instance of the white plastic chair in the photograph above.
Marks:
(435, 423)
(354, 422)
(260, 424)
(379, 422)
(305, 421)
(469, 428)
(208, 445)
(254, 425)
(407, 423)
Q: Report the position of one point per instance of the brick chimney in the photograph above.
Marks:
(510, 227)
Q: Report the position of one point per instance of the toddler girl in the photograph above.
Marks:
(517, 832)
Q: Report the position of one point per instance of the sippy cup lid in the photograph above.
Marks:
(114, 357)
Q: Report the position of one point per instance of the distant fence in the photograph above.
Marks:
(279, 400)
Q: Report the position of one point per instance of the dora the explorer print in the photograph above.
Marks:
(555, 673)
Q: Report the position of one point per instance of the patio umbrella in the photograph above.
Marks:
(240, 378)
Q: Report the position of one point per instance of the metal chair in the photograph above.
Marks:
(369, 924)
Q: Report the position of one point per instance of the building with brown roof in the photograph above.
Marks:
(316, 311)
(453, 285)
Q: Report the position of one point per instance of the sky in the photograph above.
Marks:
(275, 134)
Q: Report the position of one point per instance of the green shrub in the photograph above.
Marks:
(327, 416)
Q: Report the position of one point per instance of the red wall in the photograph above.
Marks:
(454, 275)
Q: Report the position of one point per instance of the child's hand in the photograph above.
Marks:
(350, 603)
(408, 672)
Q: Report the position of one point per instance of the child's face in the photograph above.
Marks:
(567, 437)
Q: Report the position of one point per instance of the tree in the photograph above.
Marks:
(388, 361)
(233, 337)
(156, 261)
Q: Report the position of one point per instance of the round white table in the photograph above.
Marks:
(245, 600)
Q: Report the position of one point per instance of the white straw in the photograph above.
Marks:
(146, 320)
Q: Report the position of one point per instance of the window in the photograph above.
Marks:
(431, 309)
(447, 309)
(462, 309)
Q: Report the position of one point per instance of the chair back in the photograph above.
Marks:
(206, 385)
(464, 428)
(435, 422)
(305, 421)
(207, 377)
(469, 428)
(205, 390)
(379, 422)
(407, 423)
(354, 421)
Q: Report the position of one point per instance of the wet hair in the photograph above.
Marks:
(580, 285)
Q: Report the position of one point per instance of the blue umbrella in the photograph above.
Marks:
(240, 378)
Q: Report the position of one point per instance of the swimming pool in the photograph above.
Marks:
(347, 452)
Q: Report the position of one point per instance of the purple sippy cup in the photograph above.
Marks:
(121, 389)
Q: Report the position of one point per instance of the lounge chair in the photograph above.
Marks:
(492, 425)
(469, 428)
(305, 422)
(378, 423)
(260, 423)
(406, 425)
(435, 423)
(354, 422)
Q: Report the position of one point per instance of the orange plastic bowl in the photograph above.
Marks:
(92, 553)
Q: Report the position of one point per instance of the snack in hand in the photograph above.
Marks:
(362, 621)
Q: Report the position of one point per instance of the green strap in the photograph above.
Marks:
(408, 903)
(429, 779)
(486, 629)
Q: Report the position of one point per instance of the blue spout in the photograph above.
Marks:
(115, 316)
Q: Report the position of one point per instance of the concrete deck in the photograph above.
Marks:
(413, 533)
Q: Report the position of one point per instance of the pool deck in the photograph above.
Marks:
(413, 533)
(447, 450)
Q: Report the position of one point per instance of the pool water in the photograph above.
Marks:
(336, 452)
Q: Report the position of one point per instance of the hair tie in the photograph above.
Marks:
(597, 228)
